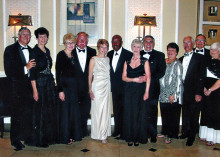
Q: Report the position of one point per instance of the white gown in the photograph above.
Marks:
(101, 105)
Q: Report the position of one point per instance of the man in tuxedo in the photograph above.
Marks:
(193, 78)
(82, 55)
(117, 58)
(157, 68)
(200, 47)
(17, 66)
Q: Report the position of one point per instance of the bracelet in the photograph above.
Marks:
(210, 90)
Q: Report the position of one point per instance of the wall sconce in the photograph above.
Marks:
(19, 20)
(144, 21)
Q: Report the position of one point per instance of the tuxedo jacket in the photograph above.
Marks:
(157, 69)
(206, 55)
(82, 77)
(116, 77)
(194, 80)
(14, 62)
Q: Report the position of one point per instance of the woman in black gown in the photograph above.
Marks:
(44, 116)
(210, 131)
(70, 121)
(136, 92)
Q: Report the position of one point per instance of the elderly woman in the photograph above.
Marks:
(211, 132)
(99, 90)
(43, 92)
(136, 92)
(70, 121)
(171, 91)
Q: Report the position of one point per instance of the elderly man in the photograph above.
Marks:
(117, 58)
(17, 66)
(193, 77)
(82, 55)
(157, 69)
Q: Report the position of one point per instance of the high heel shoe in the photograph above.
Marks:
(136, 144)
(130, 144)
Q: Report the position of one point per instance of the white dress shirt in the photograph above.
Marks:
(82, 58)
(186, 61)
(26, 56)
(116, 58)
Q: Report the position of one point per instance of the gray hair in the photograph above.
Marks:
(23, 28)
(189, 37)
(215, 45)
(136, 41)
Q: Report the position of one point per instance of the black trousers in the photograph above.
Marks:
(153, 113)
(85, 106)
(118, 103)
(190, 118)
(21, 110)
(170, 114)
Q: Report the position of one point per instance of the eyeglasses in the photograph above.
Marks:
(69, 43)
(200, 40)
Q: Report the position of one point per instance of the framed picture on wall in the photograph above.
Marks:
(211, 10)
(212, 33)
(83, 16)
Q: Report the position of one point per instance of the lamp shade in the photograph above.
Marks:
(19, 20)
(145, 20)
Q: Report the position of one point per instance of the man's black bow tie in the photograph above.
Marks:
(147, 52)
(199, 50)
(116, 54)
(82, 50)
(24, 48)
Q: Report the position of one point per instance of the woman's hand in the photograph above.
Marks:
(146, 96)
(35, 95)
(62, 96)
(138, 80)
(207, 92)
(171, 98)
(205, 89)
(91, 94)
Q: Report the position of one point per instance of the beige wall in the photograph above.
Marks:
(187, 22)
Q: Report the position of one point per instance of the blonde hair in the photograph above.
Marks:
(70, 37)
(102, 42)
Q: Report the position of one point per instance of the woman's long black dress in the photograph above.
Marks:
(135, 114)
(70, 119)
(44, 112)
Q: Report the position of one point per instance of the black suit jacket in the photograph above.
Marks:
(14, 61)
(116, 77)
(194, 80)
(157, 69)
(206, 55)
(82, 77)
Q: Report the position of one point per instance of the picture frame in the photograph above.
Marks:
(211, 11)
(212, 33)
(83, 16)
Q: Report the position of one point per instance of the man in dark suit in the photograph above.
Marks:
(117, 58)
(157, 68)
(193, 77)
(17, 66)
(82, 55)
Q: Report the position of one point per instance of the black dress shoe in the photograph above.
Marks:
(18, 146)
(189, 142)
(130, 144)
(136, 144)
(183, 136)
(42, 145)
(153, 140)
(115, 134)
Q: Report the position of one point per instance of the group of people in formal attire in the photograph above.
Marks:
(88, 83)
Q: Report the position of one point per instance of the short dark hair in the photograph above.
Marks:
(148, 36)
(174, 46)
(117, 36)
(41, 31)
(201, 35)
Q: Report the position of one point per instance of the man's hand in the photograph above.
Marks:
(198, 98)
(31, 64)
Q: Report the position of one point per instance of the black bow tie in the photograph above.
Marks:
(199, 50)
(116, 54)
(81, 50)
(187, 54)
(147, 52)
(22, 48)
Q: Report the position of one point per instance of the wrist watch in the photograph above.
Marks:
(210, 90)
